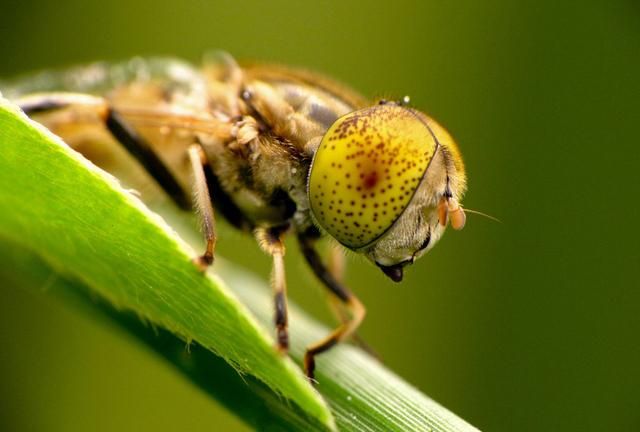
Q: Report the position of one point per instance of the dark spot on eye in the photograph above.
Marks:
(370, 180)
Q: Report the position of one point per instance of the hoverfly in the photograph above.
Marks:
(275, 151)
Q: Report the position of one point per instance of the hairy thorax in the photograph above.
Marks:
(278, 124)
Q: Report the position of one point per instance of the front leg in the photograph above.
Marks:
(353, 306)
(336, 265)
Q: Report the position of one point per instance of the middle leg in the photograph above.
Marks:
(336, 265)
(272, 242)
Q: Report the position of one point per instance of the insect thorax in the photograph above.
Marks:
(281, 119)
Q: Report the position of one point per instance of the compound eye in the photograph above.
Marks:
(366, 171)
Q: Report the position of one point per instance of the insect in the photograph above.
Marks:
(275, 151)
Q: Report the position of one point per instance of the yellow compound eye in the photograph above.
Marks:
(366, 170)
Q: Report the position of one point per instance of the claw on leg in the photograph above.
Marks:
(203, 262)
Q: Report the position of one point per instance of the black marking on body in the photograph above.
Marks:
(280, 199)
(137, 146)
(42, 106)
(224, 204)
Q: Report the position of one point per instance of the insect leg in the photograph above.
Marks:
(271, 241)
(102, 111)
(336, 264)
(203, 204)
(351, 303)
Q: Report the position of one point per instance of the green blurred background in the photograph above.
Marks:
(532, 324)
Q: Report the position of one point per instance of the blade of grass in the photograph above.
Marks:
(84, 224)
(362, 394)
(248, 398)
(381, 401)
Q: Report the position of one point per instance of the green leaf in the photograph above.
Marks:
(84, 225)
